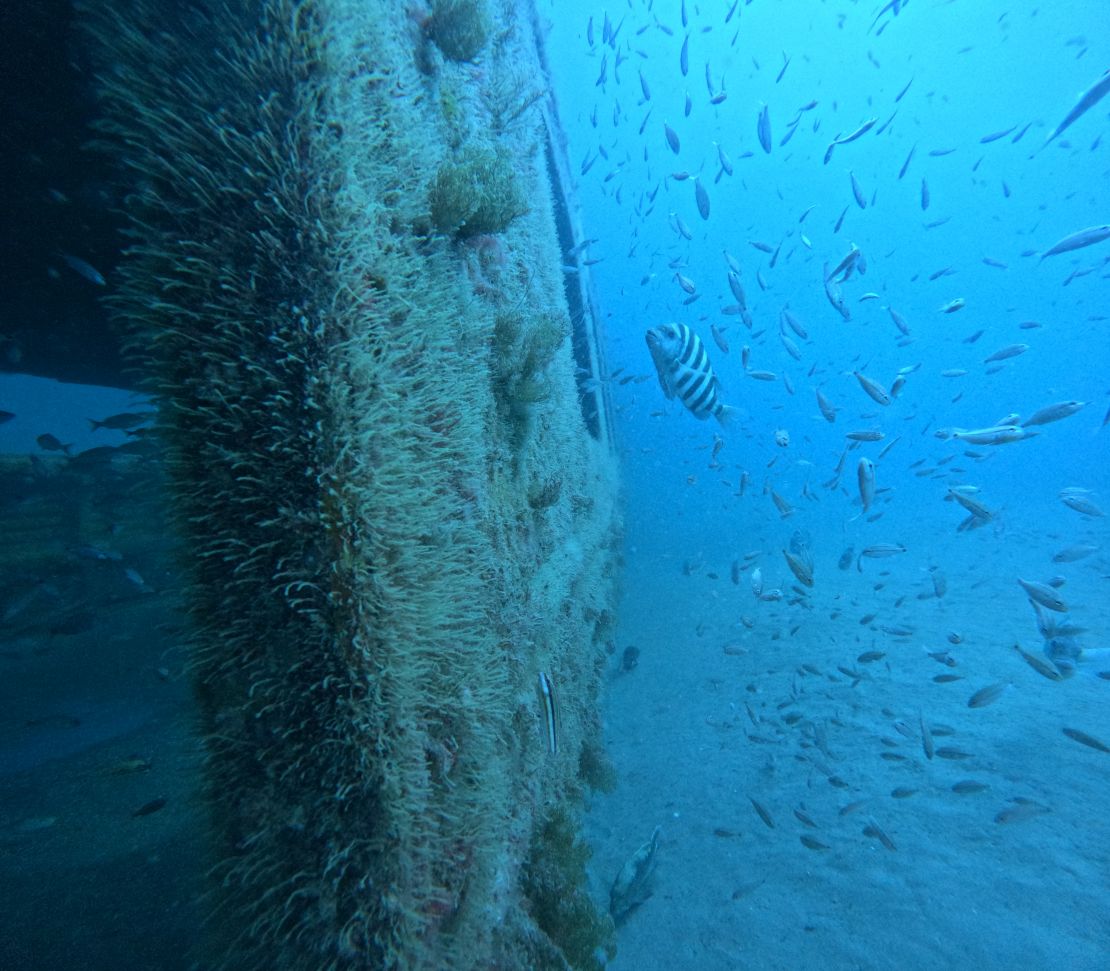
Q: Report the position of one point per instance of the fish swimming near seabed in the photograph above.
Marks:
(683, 368)
(1061, 643)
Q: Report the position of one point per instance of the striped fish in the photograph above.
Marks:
(684, 371)
(550, 714)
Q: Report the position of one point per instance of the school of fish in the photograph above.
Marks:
(681, 191)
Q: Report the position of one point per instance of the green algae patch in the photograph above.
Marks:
(477, 193)
(460, 28)
(555, 885)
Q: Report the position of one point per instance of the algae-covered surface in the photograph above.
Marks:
(344, 296)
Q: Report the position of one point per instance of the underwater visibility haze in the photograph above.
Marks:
(868, 612)
(559, 485)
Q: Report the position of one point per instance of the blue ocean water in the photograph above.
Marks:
(825, 792)
(829, 707)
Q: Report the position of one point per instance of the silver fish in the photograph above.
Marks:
(672, 138)
(1042, 667)
(801, 566)
(877, 551)
(1043, 594)
(844, 268)
(926, 736)
(998, 435)
(83, 269)
(719, 337)
(1073, 553)
(1078, 500)
(857, 191)
(971, 504)
(791, 348)
(836, 298)
(906, 164)
(851, 137)
(865, 474)
(827, 410)
(874, 390)
(737, 289)
(702, 198)
(1083, 738)
(1055, 412)
(988, 695)
(792, 321)
(724, 161)
(763, 129)
(1086, 101)
(1078, 240)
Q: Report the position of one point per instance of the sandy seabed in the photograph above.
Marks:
(716, 715)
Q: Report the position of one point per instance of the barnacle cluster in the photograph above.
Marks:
(460, 28)
(476, 193)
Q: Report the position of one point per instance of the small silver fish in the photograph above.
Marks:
(1054, 412)
(1083, 738)
(865, 475)
(1078, 240)
(85, 270)
(737, 288)
(800, 566)
(851, 137)
(1013, 350)
(1072, 553)
(844, 268)
(702, 198)
(876, 551)
(1043, 594)
(763, 129)
(685, 282)
(988, 695)
(762, 812)
(1080, 502)
(672, 138)
(970, 503)
(1039, 665)
(827, 410)
(836, 298)
(997, 435)
(1095, 93)
(875, 391)
(719, 337)
(857, 191)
